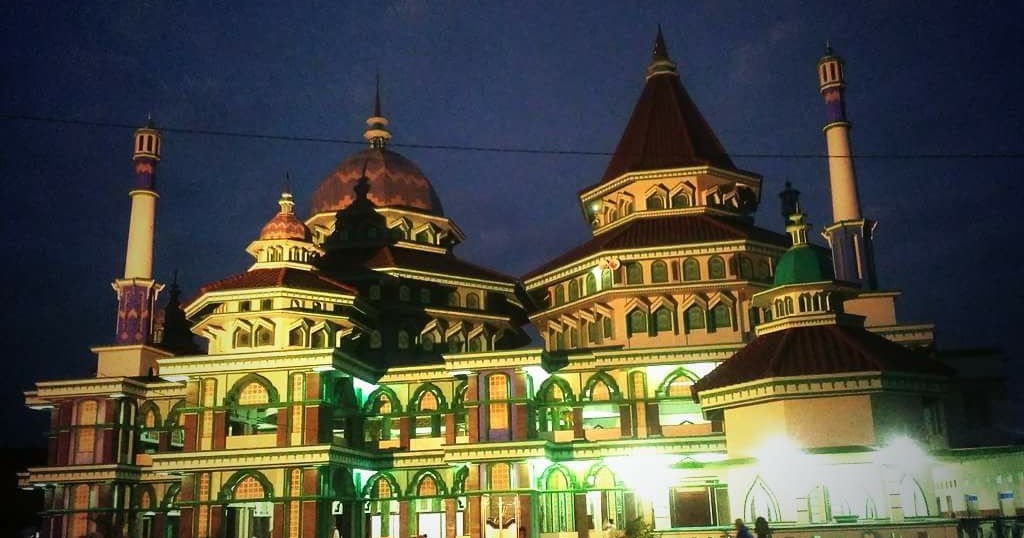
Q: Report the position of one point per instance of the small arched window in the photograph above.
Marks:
(559, 295)
(574, 289)
(680, 200)
(720, 315)
(297, 337)
(659, 272)
(627, 208)
(634, 273)
(403, 340)
(594, 332)
(663, 319)
(453, 298)
(318, 339)
(637, 322)
(694, 318)
(691, 270)
(591, 283)
(655, 201)
(264, 336)
(455, 344)
(476, 344)
(716, 267)
(473, 301)
(804, 301)
(746, 268)
(242, 338)
(397, 233)
(427, 342)
(574, 338)
(375, 340)
(606, 326)
(425, 235)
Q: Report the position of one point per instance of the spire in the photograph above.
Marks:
(177, 337)
(377, 133)
(660, 64)
(789, 201)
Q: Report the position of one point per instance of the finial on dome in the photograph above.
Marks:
(377, 133)
(828, 47)
(798, 227)
(287, 203)
(660, 62)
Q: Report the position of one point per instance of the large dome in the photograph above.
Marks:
(393, 181)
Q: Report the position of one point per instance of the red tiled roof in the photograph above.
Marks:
(651, 231)
(817, 350)
(281, 277)
(666, 130)
(405, 258)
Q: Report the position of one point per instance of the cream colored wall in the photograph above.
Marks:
(808, 422)
(981, 472)
(878, 310)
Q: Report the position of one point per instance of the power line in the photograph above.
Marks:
(486, 149)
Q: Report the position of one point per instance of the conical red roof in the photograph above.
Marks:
(666, 129)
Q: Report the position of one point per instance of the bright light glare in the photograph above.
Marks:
(709, 457)
(903, 451)
(779, 450)
(646, 472)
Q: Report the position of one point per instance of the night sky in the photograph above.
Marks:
(924, 79)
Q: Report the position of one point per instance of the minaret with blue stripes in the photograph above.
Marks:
(850, 234)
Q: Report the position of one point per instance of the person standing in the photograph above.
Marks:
(761, 529)
(741, 530)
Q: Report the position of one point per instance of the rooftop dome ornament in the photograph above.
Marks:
(377, 133)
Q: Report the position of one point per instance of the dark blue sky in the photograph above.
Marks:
(924, 78)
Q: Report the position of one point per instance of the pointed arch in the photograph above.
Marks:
(548, 389)
(550, 472)
(459, 481)
(170, 497)
(149, 415)
(915, 504)
(760, 502)
(372, 401)
(234, 396)
(602, 378)
(416, 400)
(247, 485)
(678, 375)
(381, 486)
(440, 488)
(601, 477)
(174, 414)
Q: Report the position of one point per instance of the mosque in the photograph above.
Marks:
(360, 380)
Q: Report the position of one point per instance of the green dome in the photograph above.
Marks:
(801, 264)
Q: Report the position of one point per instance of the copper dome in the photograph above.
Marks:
(393, 181)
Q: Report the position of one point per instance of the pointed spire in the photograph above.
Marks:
(177, 337)
(660, 62)
(377, 133)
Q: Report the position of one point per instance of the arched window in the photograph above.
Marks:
(680, 200)
(476, 344)
(375, 340)
(716, 268)
(789, 305)
(397, 233)
(655, 201)
(427, 342)
(637, 322)
(559, 295)
(694, 318)
(472, 301)
(264, 336)
(497, 401)
(557, 504)
(241, 337)
(691, 270)
(403, 340)
(804, 301)
(594, 332)
(600, 392)
(634, 273)
(425, 235)
(453, 298)
(762, 270)
(403, 293)
(297, 337)
(318, 339)
(606, 326)
(659, 272)
(663, 319)
(720, 315)
(606, 279)
(574, 289)
(427, 487)
(574, 338)
(591, 283)
(248, 488)
(746, 268)
(455, 344)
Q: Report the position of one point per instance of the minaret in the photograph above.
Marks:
(137, 291)
(850, 234)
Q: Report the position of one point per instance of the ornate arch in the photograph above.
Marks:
(545, 387)
(759, 496)
(414, 484)
(670, 378)
(231, 398)
(601, 377)
(570, 477)
(145, 409)
(227, 491)
(396, 404)
(414, 401)
(369, 490)
(591, 477)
